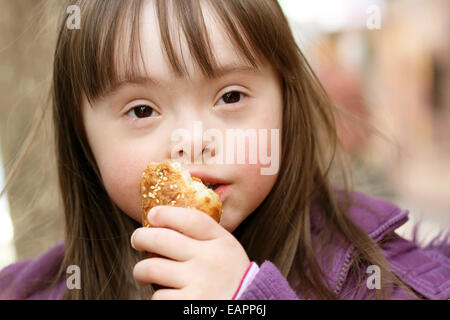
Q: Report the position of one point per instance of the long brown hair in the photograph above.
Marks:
(97, 233)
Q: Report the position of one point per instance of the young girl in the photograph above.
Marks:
(136, 71)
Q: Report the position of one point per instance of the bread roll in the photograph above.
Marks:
(168, 183)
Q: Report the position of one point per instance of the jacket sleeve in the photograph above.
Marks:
(268, 284)
(32, 278)
(9, 277)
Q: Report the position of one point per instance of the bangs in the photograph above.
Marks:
(110, 49)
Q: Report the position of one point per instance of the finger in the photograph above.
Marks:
(160, 271)
(191, 222)
(167, 294)
(163, 241)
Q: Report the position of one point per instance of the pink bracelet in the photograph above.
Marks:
(242, 280)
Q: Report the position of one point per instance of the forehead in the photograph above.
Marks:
(154, 57)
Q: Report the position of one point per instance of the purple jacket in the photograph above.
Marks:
(425, 270)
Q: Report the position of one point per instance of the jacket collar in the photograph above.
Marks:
(375, 216)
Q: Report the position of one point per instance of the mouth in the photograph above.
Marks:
(219, 186)
(211, 185)
(223, 190)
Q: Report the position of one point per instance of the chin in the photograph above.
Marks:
(228, 224)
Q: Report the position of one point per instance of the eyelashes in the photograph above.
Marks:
(231, 96)
(143, 111)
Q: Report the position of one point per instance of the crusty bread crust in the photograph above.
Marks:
(168, 183)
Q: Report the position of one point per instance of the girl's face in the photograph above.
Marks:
(133, 124)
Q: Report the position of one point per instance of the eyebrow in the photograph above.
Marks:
(220, 72)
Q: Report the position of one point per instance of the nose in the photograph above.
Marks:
(189, 147)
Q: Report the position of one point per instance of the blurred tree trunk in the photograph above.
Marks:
(27, 37)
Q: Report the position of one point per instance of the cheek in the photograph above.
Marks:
(121, 164)
(256, 185)
(121, 157)
(121, 179)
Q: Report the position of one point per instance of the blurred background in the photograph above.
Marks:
(387, 63)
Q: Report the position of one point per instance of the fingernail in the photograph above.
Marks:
(131, 241)
(152, 213)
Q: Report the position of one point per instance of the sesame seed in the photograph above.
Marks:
(157, 201)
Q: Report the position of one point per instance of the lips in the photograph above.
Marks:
(208, 180)
(220, 186)
(223, 191)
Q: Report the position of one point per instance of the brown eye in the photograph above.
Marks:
(232, 97)
(141, 112)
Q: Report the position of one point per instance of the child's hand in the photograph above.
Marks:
(201, 260)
